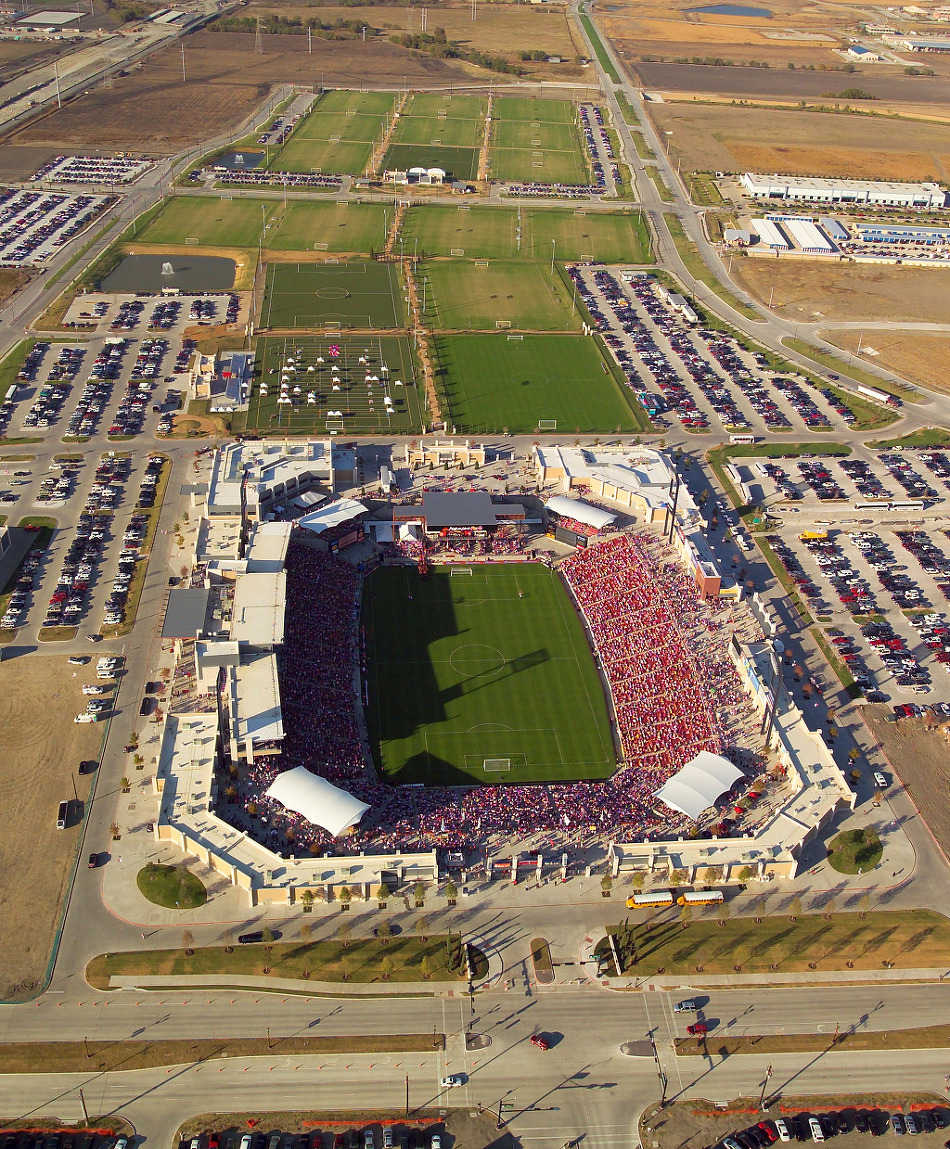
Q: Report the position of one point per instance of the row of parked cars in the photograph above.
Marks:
(132, 541)
(931, 558)
(130, 414)
(913, 483)
(37, 1139)
(590, 136)
(386, 1137)
(34, 224)
(20, 600)
(823, 1126)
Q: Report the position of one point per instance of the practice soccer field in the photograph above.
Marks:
(467, 230)
(471, 683)
(359, 294)
(337, 135)
(308, 225)
(537, 141)
(466, 296)
(493, 383)
(212, 221)
(389, 362)
(457, 163)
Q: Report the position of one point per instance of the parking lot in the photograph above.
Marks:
(705, 378)
(34, 225)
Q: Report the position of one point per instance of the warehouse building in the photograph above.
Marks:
(834, 230)
(808, 237)
(926, 44)
(885, 193)
(923, 236)
(771, 235)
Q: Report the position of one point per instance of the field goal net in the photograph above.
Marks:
(460, 571)
(496, 765)
(502, 324)
(547, 424)
(332, 328)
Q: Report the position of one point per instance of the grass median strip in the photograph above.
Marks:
(927, 437)
(696, 265)
(601, 51)
(105, 1056)
(926, 1037)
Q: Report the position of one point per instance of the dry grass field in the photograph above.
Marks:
(152, 110)
(920, 357)
(727, 138)
(802, 290)
(39, 697)
(501, 29)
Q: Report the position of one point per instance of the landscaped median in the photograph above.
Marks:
(672, 943)
(405, 958)
(926, 1037)
(835, 363)
(103, 1056)
(690, 255)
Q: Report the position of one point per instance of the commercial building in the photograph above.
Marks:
(457, 515)
(819, 190)
(771, 235)
(259, 479)
(865, 55)
(926, 43)
(808, 237)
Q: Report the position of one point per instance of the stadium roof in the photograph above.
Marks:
(699, 784)
(320, 802)
(441, 509)
(332, 515)
(583, 512)
(186, 612)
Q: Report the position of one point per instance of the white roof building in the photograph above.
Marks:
(821, 190)
(273, 474)
(318, 800)
(257, 614)
(254, 694)
(594, 517)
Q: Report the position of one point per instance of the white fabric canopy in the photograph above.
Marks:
(583, 512)
(699, 784)
(318, 800)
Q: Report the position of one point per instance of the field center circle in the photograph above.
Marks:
(332, 293)
(477, 661)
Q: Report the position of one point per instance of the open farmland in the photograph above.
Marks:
(525, 295)
(213, 222)
(152, 110)
(735, 139)
(537, 140)
(337, 134)
(917, 356)
(805, 291)
(501, 29)
(307, 225)
(493, 382)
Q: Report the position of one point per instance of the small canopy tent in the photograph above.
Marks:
(584, 513)
(699, 784)
(318, 800)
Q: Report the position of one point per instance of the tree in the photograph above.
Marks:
(306, 932)
(419, 894)
(864, 903)
(346, 896)
(307, 898)
(114, 831)
(382, 893)
(638, 880)
(422, 927)
(344, 932)
(384, 932)
(386, 967)
(426, 968)
(451, 890)
(228, 938)
(345, 968)
(606, 884)
(267, 936)
(677, 877)
(712, 874)
(686, 916)
(794, 908)
(746, 874)
(723, 912)
(126, 785)
(187, 941)
(829, 909)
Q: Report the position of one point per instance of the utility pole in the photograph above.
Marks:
(407, 1095)
(768, 1074)
(183, 62)
(309, 40)
(59, 102)
(82, 1106)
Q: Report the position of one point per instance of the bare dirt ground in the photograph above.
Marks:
(919, 757)
(801, 290)
(39, 697)
(921, 358)
(152, 110)
(726, 138)
(11, 280)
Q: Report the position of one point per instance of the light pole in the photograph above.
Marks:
(553, 250)
(768, 1074)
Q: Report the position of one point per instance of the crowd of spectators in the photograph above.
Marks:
(661, 649)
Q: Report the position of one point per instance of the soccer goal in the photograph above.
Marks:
(481, 262)
(547, 424)
(457, 251)
(496, 765)
(334, 424)
(502, 324)
(191, 240)
(321, 246)
(515, 338)
(460, 571)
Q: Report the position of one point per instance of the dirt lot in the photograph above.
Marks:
(918, 357)
(11, 280)
(802, 290)
(725, 138)
(919, 757)
(152, 110)
(696, 1122)
(500, 28)
(39, 697)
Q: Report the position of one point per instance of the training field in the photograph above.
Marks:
(388, 361)
(307, 225)
(360, 294)
(537, 141)
(457, 163)
(462, 295)
(438, 131)
(463, 670)
(474, 232)
(337, 135)
(494, 382)
(213, 222)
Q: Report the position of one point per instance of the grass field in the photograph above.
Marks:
(493, 382)
(213, 222)
(463, 669)
(537, 141)
(350, 227)
(478, 232)
(457, 163)
(453, 121)
(362, 403)
(463, 296)
(337, 135)
(357, 294)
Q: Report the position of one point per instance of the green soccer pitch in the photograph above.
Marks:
(358, 294)
(472, 682)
